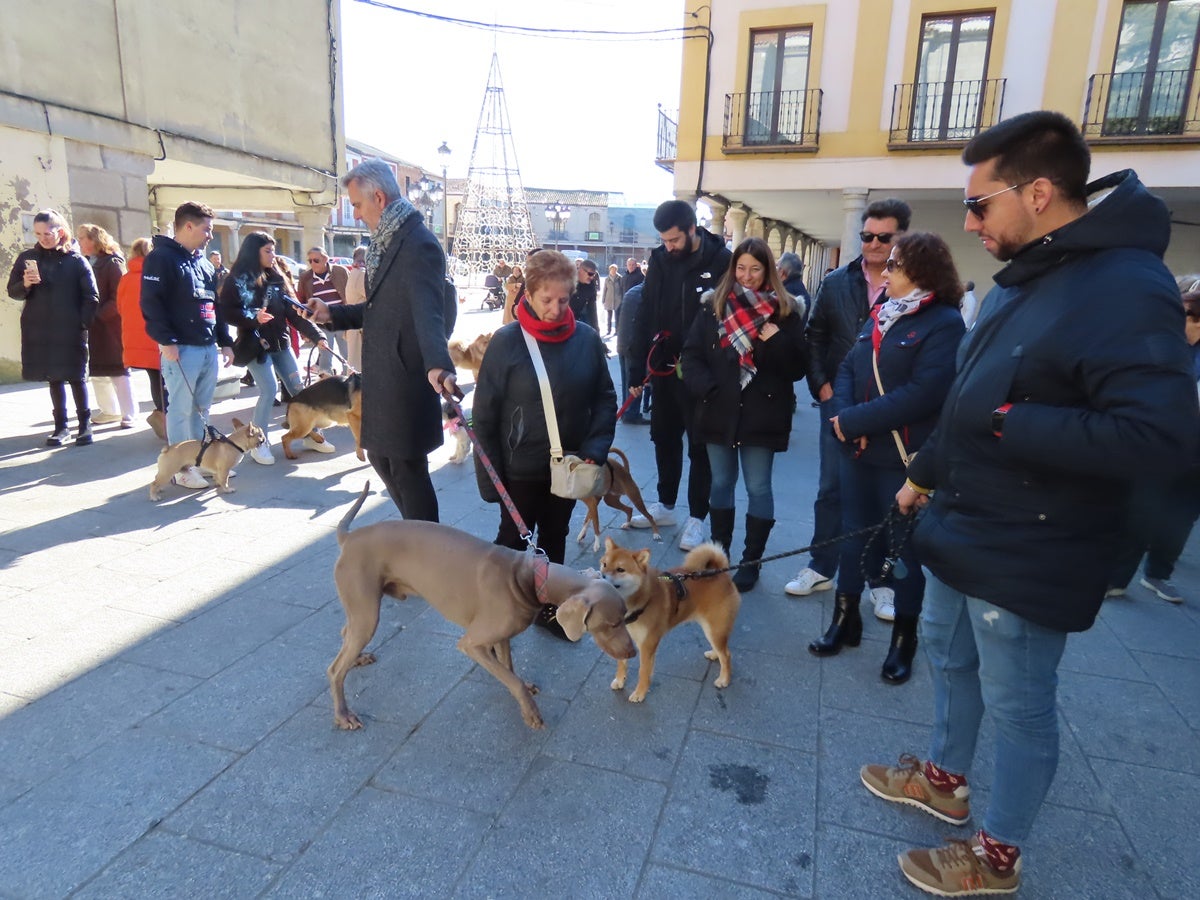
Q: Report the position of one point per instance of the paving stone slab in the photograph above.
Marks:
(1179, 679)
(602, 728)
(473, 750)
(1154, 626)
(562, 814)
(273, 802)
(66, 829)
(1098, 651)
(767, 698)
(850, 681)
(1128, 721)
(1155, 809)
(164, 866)
(384, 845)
(743, 811)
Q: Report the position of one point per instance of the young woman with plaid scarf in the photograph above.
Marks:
(744, 352)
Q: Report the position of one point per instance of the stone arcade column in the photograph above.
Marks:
(313, 220)
(736, 217)
(854, 201)
(718, 216)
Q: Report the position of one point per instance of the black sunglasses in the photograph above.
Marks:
(867, 236)
(893, 264)
(976, 205)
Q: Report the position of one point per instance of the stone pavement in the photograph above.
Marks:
(165, 727)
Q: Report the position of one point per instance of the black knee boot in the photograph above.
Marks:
(757, 532)
(897, 668)
(721, 521)
(846, 627)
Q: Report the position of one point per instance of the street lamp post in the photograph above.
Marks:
(444, 153)
(425, 195)
(557, 215)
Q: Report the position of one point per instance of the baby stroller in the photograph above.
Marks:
(494, 298)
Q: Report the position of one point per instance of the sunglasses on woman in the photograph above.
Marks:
(893, 264)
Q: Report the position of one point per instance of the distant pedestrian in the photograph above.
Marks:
(106, 365)
(356, 293)
(60, 298)
(612, 299)
(631, 305)
(327, 282)
(791, 273)
(219, 269)
(586, 293)
(138, 349)
(635, 274)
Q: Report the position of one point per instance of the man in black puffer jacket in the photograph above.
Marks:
(688, 263)
(1055, 408)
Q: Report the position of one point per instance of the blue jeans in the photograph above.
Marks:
(756, 474)
(868, 493)
(982, 656)
(827, 509)
(191, 383)
(280, 362)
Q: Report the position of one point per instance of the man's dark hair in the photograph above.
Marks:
(891, 208)
(191, 212)
(674, 214)
(1040, 144)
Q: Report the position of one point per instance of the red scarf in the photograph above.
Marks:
(546, 332)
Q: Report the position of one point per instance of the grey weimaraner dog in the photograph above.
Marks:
(488, 590)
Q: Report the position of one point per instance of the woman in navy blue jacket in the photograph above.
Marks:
(886, 400)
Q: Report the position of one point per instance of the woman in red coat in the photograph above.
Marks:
(138, 349)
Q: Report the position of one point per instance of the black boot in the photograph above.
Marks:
(897, 668)
(721, 521)
(83, 436)
(846, 627)
(757, 532)
(61, 433)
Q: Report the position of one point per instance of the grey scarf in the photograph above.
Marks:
(394, 215)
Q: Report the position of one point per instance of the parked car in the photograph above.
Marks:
(294, 267)
(346, 261)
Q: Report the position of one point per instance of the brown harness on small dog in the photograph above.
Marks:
(212, 436)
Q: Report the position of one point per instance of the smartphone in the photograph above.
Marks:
(31, 265)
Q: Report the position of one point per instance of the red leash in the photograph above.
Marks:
(650, 370)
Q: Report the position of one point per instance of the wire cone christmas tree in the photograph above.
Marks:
(494, 220)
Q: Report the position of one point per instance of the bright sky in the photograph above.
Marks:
(583, 112)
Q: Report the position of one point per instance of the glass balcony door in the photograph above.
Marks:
(951, 76)
(776, 94)
(1152, 71)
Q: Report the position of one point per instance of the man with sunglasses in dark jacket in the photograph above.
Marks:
(843, 302)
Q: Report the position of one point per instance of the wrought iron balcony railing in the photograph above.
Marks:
(1135, 106)
(944, 112)
(775, 121)
(668, 133)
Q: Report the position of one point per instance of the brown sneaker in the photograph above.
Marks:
(906, 783)
(958, 870)
(158, 424)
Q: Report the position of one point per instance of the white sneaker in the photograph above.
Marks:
(103, 418)
(191, 478)
(126, 421)
(806, 581)
(662, 515)
(693, 534)
(884, 601)
(320, 446)
(262, 454)
(209, 473)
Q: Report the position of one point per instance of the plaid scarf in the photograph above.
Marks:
(746, 312)
(394, 215)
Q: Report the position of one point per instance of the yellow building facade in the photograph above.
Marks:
(794, 117)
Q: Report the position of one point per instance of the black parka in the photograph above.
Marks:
(105, 354)
(761, 414)
(838, 313)
(56, 314)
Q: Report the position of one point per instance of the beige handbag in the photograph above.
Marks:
(905, 456)
(570, 477)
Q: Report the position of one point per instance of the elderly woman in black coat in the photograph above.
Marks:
(886, 399)
(59, 292)
(508, 414)
(744, 352)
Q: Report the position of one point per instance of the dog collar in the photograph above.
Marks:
(541, 574)
(632, 617)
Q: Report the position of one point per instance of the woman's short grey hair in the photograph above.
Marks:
(790, 263)
(373, 175)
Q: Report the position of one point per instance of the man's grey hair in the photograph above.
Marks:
(373, 175)
(790, 263)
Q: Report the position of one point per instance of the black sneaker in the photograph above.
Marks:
(60, 437)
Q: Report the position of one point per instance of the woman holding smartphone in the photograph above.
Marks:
(60, 298)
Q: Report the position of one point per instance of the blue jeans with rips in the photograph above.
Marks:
(982, 656)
